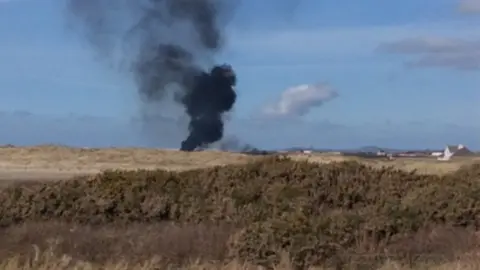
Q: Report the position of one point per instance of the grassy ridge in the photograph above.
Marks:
(319, 214)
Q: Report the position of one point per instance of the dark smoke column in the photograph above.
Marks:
(206, 96)
(168, 41)
(212, 94)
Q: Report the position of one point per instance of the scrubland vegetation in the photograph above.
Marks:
(271, 212)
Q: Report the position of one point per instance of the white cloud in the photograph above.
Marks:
(299, 100)
(454, 53)
(469, 6)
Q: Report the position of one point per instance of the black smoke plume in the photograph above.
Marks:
(175, 39)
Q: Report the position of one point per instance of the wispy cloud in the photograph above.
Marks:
(331, 44)
(300, 100)
(446, 52)
(469, 6)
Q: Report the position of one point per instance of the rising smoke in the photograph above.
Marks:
(175, 40)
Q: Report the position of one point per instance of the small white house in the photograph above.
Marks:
(452, 150)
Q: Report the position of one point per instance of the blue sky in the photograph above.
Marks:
(404, 74)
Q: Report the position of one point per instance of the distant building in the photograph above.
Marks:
(455, 151)
(413, 154)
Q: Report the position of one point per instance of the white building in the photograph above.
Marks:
(452, 150)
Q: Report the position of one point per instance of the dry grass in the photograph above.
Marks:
(67, 159)
(421, 165)
(167, 245)
(48, 261)
(49, 161)
(58, 246)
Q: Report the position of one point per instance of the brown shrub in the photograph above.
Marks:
(318, 213)
(470, 171)
(135, 243)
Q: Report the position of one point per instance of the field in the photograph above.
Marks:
(62, 208)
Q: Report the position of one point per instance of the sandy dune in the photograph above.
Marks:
(57, 162)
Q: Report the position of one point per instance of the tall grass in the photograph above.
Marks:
(47, 260)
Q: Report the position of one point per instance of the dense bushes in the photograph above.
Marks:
(316, 213)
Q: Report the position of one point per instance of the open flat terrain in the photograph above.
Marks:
(420, 164)
(256, 211)
(58, 162)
